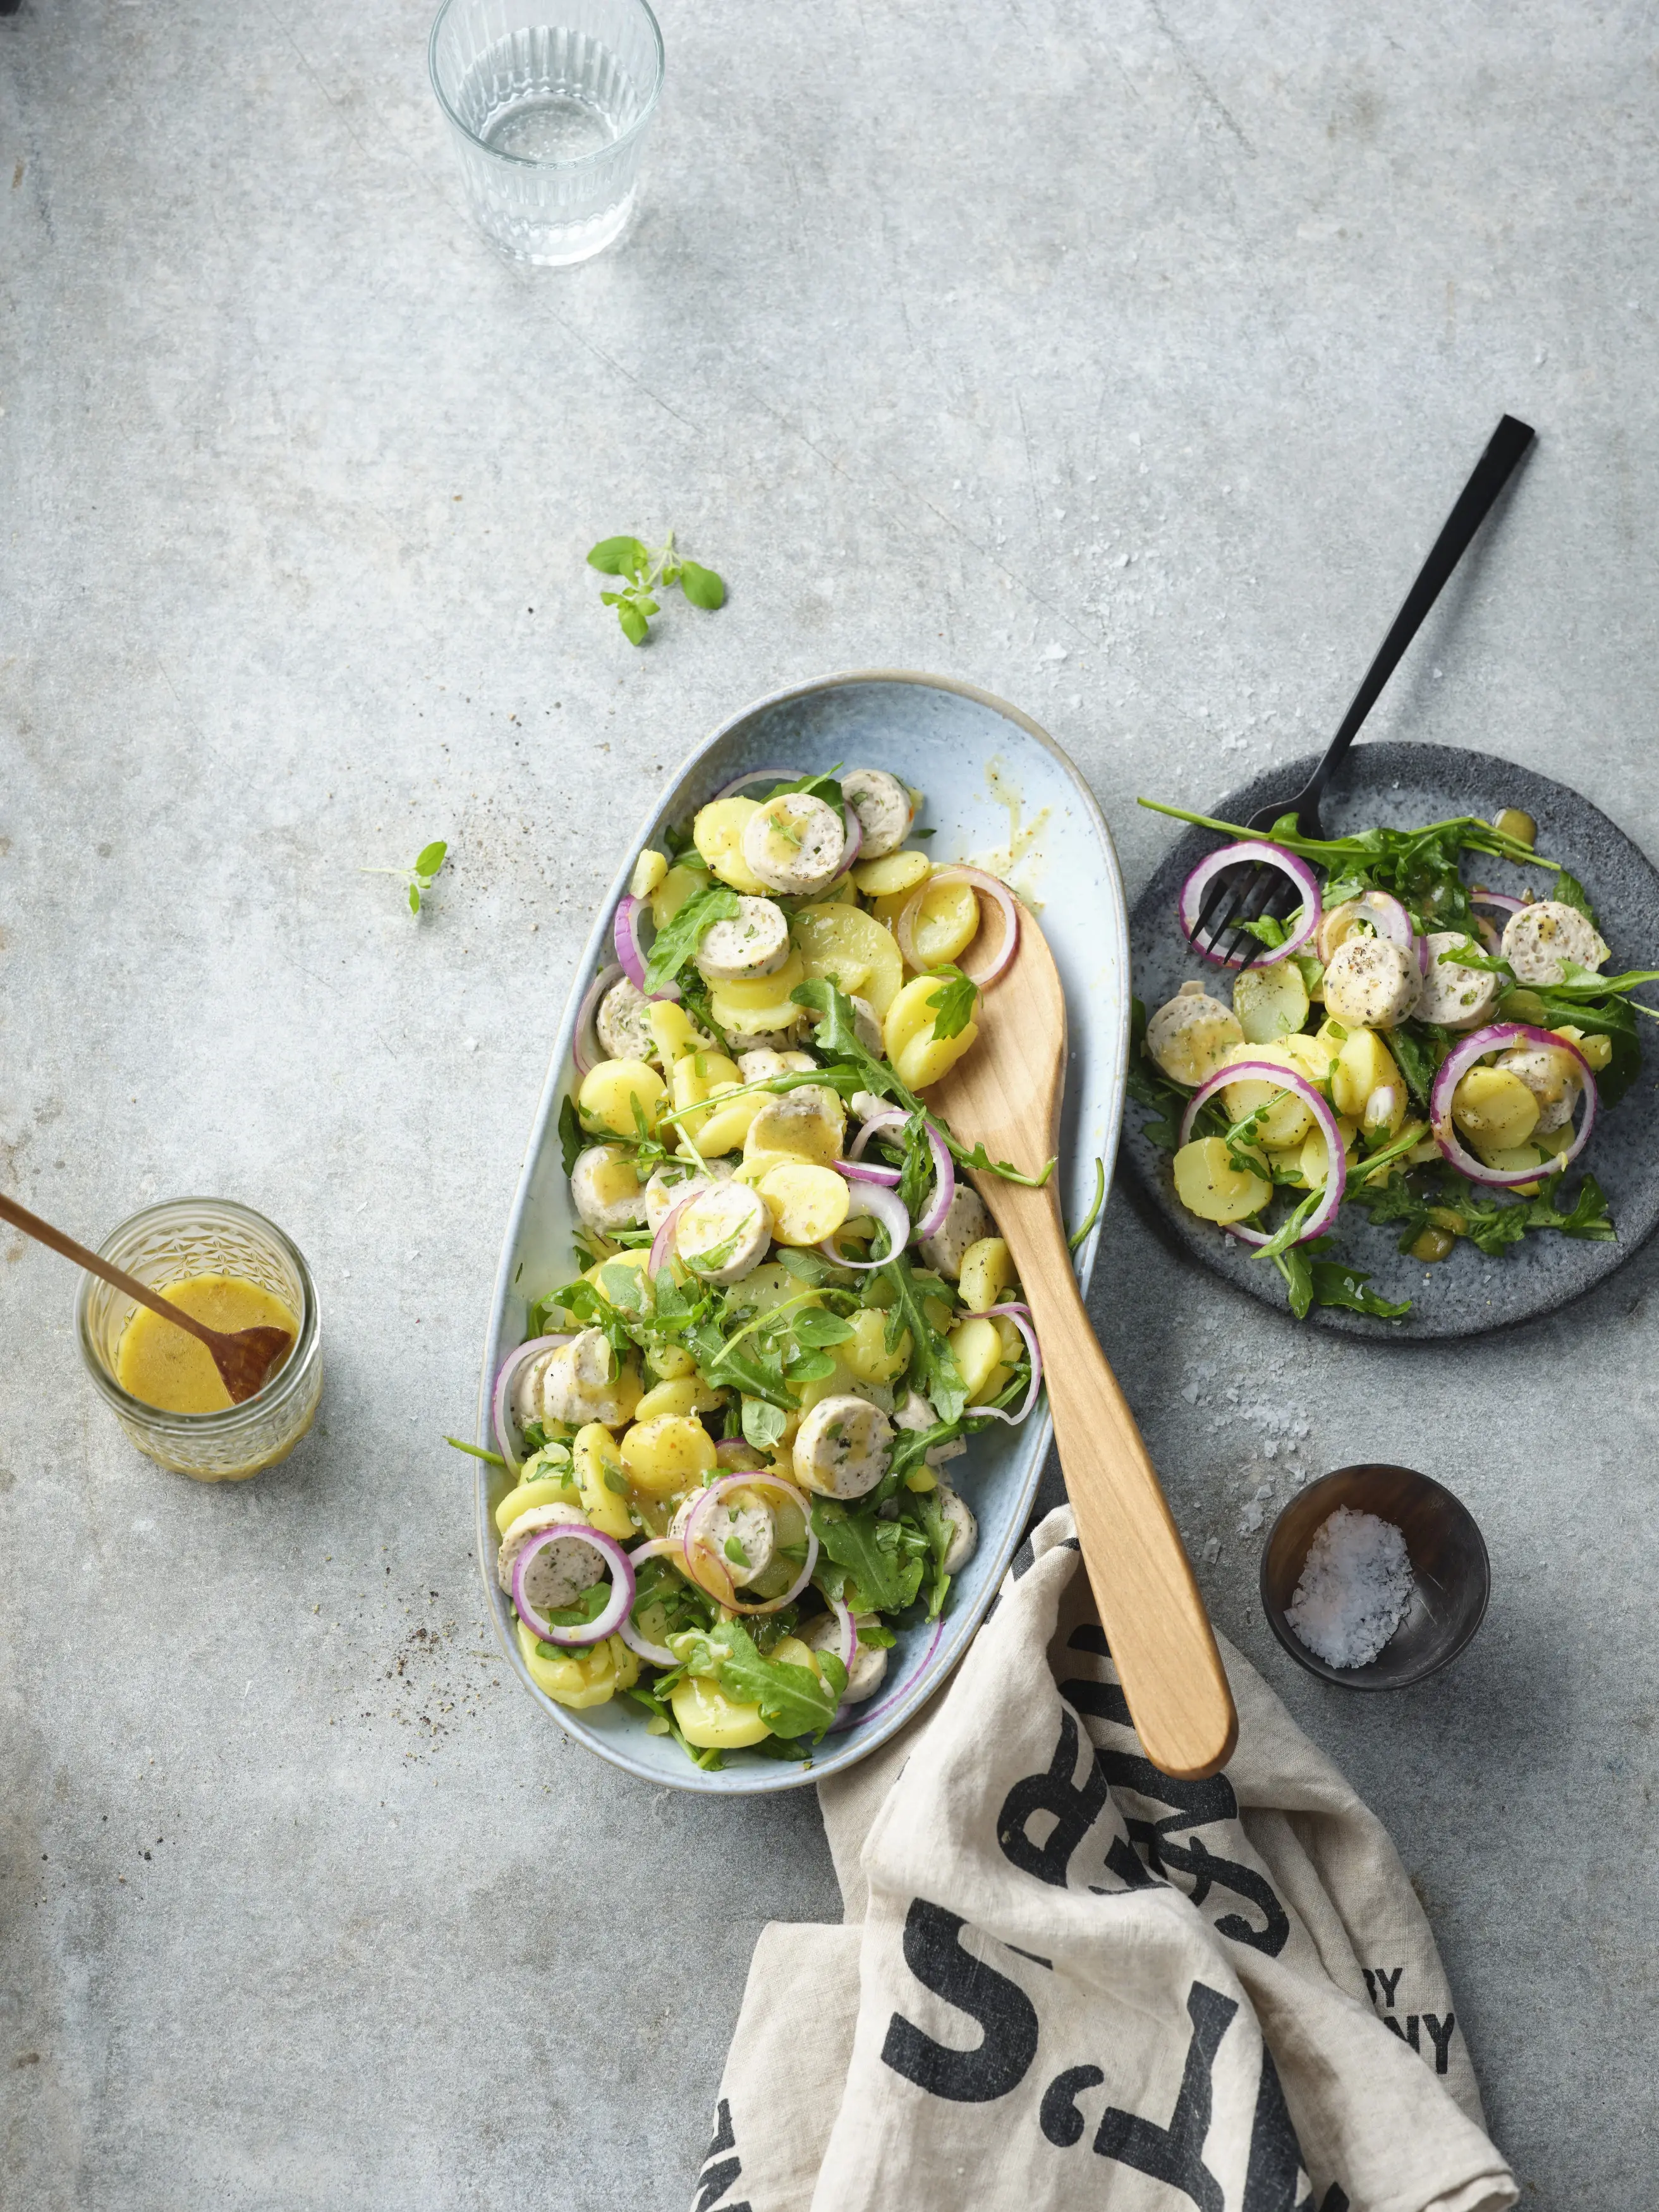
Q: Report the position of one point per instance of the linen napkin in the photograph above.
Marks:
(1066, 1980)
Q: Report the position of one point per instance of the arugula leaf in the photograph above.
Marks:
(1093, 1214)
(1571, 892)
(885, 1559)
(922, 1507)
(955, 1001)
(817, 1325)
(678, 938)
(572, 1138)
(934, 1369)
(1313, 1281)
(794, 1701)
(1418, 1048)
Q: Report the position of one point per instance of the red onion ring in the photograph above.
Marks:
(1457, 1064)
(849, 1633)
(1191, 900)
(848, 1714)
(1489, 936)
(504, 1375)
(691, 1540)
(989, 890)
(586, 1052)
(1380, 908)
(657, 1654)
(1021, 1317)
(662, 1243)
(945, 1185)
(854, 829)
(1284, 1078)
(883, 1206)
(622, 1585)
(756, 775)
(625, 935)
(861, 1171)
(889, 1117)
(1500, 899)
(1420, 946)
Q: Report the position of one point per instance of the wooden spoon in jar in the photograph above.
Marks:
(1006, 1094)
(246, 1361)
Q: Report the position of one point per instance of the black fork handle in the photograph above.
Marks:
(1491, 472)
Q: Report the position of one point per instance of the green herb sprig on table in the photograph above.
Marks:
(420, 879)
(647, 570)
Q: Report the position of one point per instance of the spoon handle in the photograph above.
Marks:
(1149, 1604)
(54, 1239)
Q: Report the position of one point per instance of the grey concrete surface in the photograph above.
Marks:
(1122, 359)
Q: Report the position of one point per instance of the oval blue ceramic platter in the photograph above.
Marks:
(999, 791)
(1403, 785)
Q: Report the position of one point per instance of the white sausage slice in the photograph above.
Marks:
(1543, 936)
(883, 807)
(964, 1529)
(580, 1385)
(1371, 983)
(842, 1447)
(527, 1387)
(668, 1186)
(916, 1412)
(869, 1668)
(624, 1032)
(557, 1575)
(724, 1232)
(1453, 996)
(794, 844)
(739, 1531)
(965, 1222)
(754, 942)
(1554, 1079)
(606, 1189)
(1191, 1035)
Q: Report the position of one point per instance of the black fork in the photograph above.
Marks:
(1254, 891)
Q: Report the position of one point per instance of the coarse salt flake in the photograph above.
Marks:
(1355, 1591)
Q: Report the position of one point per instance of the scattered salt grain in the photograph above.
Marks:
(1355, 1591)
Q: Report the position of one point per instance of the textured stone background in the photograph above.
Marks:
(1122, 359)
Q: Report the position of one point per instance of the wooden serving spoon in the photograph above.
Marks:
(246, 1361)
(1006, 1095)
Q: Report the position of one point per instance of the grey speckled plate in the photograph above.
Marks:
(1405, 785)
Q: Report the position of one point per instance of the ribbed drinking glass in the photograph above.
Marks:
(550, 118)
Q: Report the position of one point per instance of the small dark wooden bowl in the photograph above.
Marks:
(1447, 1556)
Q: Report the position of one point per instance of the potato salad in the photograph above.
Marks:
(1406, 1042)
(729, 1428)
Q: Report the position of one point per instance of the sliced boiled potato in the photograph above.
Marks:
(549, 1490)
(610, 1092)
(672, 1453)
(763, 1003)
(684, 1394)
(893, 873)
(1494, 1109)
(1209, 1185)
(918, 1056)
(865, 1354)
(987, 1275)
(770, 1285)
(1363, 1064)
(843, 942)
(725, 1127)
(806, 1203)
(1270, 1002)
(1513, 1159)
(650, 870)
(977, 1345)
(708, 1718)
(587, 1675)
(1289, 1119)
(1315, 1158)
(600, 1479)
(807, 1124)
(673, 1031)
(944, 923)
(672, 893)
(717, 833)
(1384, 1114)
(1314, 1056)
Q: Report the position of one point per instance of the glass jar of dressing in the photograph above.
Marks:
(232, 1269)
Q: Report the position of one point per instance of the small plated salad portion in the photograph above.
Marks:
(786, 1312)
(1408, 1043)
